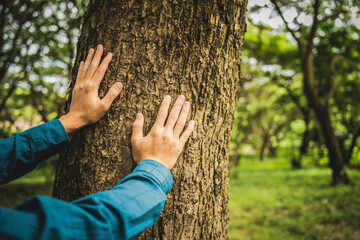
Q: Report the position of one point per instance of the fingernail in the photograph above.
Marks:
(90, 51)
(182, 97)
(98, 46)
(167, 97)
(118, 85)
(109, 54)
(81, 63)
(186, 104)
(192, 123)
(138, 116)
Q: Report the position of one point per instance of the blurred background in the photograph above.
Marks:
(280, 180)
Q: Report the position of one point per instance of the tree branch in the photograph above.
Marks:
(299, 40)
(336, 80)
(9, 93)
(314, 27)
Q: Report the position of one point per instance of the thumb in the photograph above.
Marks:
(137, 128)
(112, 94)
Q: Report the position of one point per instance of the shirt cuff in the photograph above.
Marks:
(49, 138)
(156, 171)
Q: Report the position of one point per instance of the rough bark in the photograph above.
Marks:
(163, 47)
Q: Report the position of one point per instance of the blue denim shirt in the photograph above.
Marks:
(123, 212)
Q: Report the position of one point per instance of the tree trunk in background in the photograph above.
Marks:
(305, 41)
(163, 47)
(305, 138)
(264, 146)
(339, 174)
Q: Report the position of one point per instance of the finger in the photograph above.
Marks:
(87, 62)
(174, 114)
(79, 75)
(100, 71)
(163, 111)
(180, 124)
(186, 134)
(111, 95)
(95, 62)
(137, 128)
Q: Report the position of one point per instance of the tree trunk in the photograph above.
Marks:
(273, 150)
(163, 47)
(339, 174)
(296, 162)
(264, 146)
(306, 137)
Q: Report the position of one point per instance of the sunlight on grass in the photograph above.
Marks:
(291, 204)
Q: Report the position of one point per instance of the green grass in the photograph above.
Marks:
(279, 203)
(37, 182)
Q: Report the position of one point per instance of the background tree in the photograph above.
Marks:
(305, 41)
(163, 47)
(306, 24)
(37, 48)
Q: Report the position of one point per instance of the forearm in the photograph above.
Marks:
(23, 152)
(136, 202)
(123, 212)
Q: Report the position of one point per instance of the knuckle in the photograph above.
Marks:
(162, 114)
(93, 65)
(156, 132)
(181, 124)
(186, 135)
(178, 148)
(88, 87)
(167, 137)
(113, 92)
(103, 106)
(172, 117)
(99, 71)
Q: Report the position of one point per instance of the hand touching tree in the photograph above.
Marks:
(86, 107)
(164, 143)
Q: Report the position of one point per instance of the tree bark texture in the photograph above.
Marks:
(163, 47)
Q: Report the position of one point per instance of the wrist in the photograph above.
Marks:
(156, 159)
(71, 122)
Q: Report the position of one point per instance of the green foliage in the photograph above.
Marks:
(271, 100)
(38, 182)
(37, 49)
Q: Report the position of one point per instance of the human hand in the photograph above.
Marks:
(163, 143)
(86, 107)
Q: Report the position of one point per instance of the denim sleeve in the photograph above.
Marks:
(23, 152)
(123, 212)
